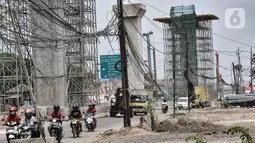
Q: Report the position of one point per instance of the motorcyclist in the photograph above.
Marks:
(92, 110)
(76, 113)
(30, 120)
(164, 103)
(13, 116)
(58, 115)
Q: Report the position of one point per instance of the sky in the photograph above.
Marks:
(225, 48)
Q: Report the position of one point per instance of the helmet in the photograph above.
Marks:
(91, 105)
(56, 108)
(28, 113)
(12, 110)
(75, 107)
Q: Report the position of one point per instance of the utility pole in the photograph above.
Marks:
(251, 73)
(173, 61)
(147, 35)
(123, 53)
(155, 63)
(217, 80)
(187, 70)
(235, 82)
(239, 71)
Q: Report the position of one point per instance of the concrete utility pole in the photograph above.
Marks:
(217, 75)
(173, 58)
(251, 73)
(239, 71)
(187, 70)
(235, 82)
(123, 53)
(147, 35)
(155, 63)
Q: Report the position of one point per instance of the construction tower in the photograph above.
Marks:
(184, 21)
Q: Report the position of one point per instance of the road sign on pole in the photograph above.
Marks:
(107, 66)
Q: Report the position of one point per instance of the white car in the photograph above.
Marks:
(182, 103)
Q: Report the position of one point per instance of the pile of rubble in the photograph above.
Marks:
(184, 125)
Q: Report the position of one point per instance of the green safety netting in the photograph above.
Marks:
(180, 10)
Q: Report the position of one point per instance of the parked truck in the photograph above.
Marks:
(117, 105)
(139, 100)
(201, 97)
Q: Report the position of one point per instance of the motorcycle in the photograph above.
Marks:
(12, 131)
(90, 122)
(164, 108)
(55, 125)
(29, 131)
(75, 128)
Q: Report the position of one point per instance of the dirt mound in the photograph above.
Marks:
(125, 131)
(188, 126)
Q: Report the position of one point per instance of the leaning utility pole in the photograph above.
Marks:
(124, 70)
(147, 35)
(187, 70)
(251, 73)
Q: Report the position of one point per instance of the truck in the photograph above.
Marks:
(139, 100)
(201, 97)
(117, 104)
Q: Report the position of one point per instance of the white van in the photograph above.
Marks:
(182, 103)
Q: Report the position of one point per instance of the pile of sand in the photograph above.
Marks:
(184, 125)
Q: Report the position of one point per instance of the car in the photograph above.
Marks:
(182, 103)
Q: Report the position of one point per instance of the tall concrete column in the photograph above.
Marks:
(133, 14)
(49, 57)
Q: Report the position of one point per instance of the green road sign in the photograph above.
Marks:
(107, 66)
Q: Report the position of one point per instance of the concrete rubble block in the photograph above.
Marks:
(35, 140)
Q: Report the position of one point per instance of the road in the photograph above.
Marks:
(103, 125)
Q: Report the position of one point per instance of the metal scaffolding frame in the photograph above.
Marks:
(82, 54)
(12, 78)
(200, 43)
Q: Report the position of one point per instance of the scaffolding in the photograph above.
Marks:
(82, 55)
(81, 61)
(12, 78)
(184, 22)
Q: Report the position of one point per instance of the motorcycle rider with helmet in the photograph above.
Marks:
(13, 116)
(164, 103)
(76, 113)
(30, 120)
(58, 115)
(92, 110)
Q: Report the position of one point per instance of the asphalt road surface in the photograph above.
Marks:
(103, 124)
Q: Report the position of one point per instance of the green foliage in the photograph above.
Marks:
(246, 138)
(198, 138)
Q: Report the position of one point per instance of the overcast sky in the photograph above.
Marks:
(217, 7)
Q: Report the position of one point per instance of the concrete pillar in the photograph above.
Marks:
(35, 140)
(49, 57)
(133, 14)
